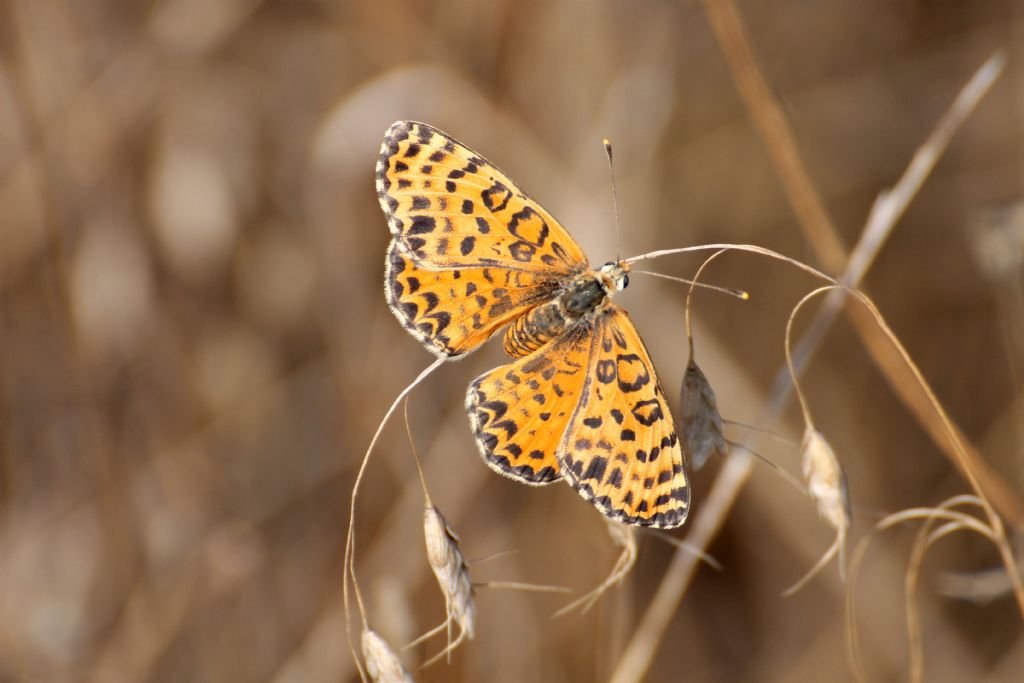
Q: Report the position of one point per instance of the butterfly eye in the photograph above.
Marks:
(625, 281)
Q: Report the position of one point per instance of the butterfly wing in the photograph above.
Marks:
(449, 208)
(471, 252)
(620, 450)
(519, 411)
(453, 311)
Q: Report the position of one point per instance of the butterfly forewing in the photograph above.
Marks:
(620, 449)
(450, 208)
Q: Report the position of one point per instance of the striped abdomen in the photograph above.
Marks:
(535, 329)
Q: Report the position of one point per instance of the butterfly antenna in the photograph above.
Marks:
(615, 199)
(741, 294)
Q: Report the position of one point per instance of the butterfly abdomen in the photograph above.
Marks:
(580, 299)
(529, 332)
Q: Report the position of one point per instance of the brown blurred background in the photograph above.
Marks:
(195, 348)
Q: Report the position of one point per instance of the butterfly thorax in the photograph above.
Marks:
(578, 301)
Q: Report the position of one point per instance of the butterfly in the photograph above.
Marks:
(472, 254)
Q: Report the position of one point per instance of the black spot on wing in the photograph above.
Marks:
(422, 225)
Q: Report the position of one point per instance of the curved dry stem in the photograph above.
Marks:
(995, 523)
(689, 297)
(818, 566)
(415, 455)
(752, 248)
(934, 513)
(625, 538)
(966, 463)
(910, 581)
(925, 537)
(774, 465)
(804, 408)
(929, 515)
(350, 551)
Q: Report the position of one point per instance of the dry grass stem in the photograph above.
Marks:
(700, 419)
(636, 658)
(624, 537)
(770, 119)
(891, 204)
(690, 548)
(350, 548)
(926, 536)
(909, 386)
(194, 347)
(967, 464)
(821, 231)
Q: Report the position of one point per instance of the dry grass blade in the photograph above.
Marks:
(382, 663)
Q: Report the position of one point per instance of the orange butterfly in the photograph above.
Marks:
(580, 401)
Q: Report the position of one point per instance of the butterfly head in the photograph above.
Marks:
(613, 276)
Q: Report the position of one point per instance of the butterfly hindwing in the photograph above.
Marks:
(519, 411)
(621, 451)
(450, 208)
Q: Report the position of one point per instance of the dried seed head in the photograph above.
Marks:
(826, 481)
(702, 424)
(452, 572)
(382, 663)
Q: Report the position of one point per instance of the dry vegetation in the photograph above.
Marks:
(195, 349)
